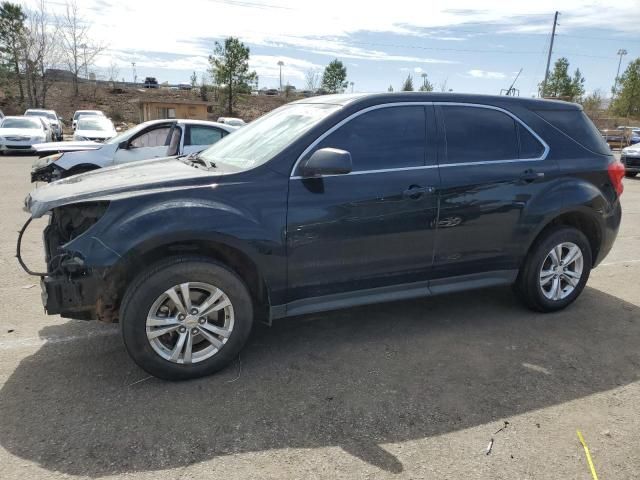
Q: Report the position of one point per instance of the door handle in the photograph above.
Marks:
(531, 175)
(416, 191)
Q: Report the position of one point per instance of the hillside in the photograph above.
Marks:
(120, 104)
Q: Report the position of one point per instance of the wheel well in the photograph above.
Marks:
(581, 221)
(83, 167)
(122, 275)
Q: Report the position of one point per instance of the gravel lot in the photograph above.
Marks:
(402, 390)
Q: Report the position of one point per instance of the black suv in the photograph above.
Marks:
(326, 203)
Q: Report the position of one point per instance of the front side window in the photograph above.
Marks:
(153, 138)
(384, 138)
(475, 134)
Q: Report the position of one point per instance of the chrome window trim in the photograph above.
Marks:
(445, 165)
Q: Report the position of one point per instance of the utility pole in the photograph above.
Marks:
(133, 67)
(553, 36)
(280, 64)
(622, 52)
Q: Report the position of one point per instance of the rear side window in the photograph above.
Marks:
(475, 134)
(530, 147)
(201, 135)
(392, 137)
(576, 125)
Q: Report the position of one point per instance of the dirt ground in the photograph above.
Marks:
(412, 389)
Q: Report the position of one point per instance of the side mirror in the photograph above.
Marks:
(327, 161)
(123, 145)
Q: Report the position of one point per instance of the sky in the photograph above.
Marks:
(463, 45)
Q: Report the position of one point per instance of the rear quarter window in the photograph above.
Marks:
(577, 126)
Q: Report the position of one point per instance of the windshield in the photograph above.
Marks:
(78, 114)
(21, 123)
(94, 123)
(41, 114)
(262, 139)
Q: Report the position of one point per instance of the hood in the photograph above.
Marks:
(94, 133)
(66, 146)
(21, 132)
(113, 182)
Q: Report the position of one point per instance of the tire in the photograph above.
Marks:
(548, 298)
(151, 286)
(630, 174)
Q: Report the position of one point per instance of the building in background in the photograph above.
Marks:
(172, 108)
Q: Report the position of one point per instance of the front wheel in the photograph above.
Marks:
(630, 174)
(185, 318)
(556, 270)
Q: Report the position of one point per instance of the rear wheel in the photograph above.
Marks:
(186, 318)
(556, 270)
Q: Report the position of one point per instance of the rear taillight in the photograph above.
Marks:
(616, 174)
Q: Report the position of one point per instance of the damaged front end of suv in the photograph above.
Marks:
(70, 287)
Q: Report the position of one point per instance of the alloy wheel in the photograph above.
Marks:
(190, 322)
(561, 271)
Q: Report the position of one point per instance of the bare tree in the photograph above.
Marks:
(312, 79)
(79, 49)
(42, 52)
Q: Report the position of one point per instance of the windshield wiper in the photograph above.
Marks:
(196, 158)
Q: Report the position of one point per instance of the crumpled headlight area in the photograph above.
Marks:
(45, 169)
(65, 224)
(71, 221)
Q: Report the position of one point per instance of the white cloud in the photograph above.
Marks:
(485, 74)
(146, 25)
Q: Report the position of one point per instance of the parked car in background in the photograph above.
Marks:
(272, 92)
(233, 121)
(52, 117)
(94, 128)
(153, 139)
(329, 203)
(185, 86)
(630, 158)
(150, 82)
(19, 134)
(634, 138)
(79, 113)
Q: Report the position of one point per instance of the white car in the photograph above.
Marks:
(154, 139)
(630, 158)
(79, 113)
(94, 128)
(19, 134)
(233, 121)
(52, 117)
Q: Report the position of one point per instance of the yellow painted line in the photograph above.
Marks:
(586, 451)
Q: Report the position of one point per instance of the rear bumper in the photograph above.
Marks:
(609, 232)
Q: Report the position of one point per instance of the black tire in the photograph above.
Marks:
(527, 285)
(630, 174)
(149, 286)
